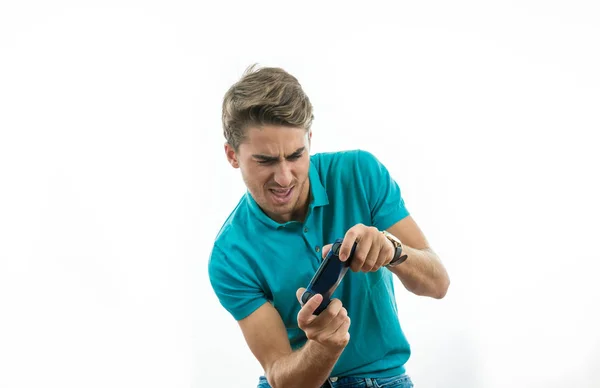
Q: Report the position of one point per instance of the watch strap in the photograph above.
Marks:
(398, 258)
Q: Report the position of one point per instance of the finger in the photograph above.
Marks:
(349, 239)
(371, 262)
(334, 308)
(329, 319)
(322, 323)
(383, 259)
(362, 250)
(343, 319)
(305, 315)
(323, 326)
(341, 315)
(338, 319)
(325, 250)
(342, 333)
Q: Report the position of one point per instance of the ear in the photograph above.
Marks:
(231, 156)
(309, 137)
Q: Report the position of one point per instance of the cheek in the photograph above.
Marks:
(257, 175)
(302, 170)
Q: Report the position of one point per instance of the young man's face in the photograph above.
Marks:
(274, 161)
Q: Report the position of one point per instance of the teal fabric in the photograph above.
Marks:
(256, 260)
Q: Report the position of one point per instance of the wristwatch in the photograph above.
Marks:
(398, 258)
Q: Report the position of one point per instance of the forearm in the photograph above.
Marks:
(422, 273)
(307, 367)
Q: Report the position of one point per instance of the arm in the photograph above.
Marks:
(265, 333)
(423, 272)
(308, 366)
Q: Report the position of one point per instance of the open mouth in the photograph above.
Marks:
(281, 195)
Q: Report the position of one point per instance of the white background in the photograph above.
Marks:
(113, 180)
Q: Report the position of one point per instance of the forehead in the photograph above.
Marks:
(274, 140)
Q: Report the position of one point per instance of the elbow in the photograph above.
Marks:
(435, 291)
(434, 288)
(270, 376)
(274, 376)
(271, 380)
(441, 288)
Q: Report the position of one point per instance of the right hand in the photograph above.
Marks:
(330, 328)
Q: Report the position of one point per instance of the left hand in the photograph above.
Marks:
(373, 249)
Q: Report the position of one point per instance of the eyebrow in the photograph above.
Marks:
(274, 158)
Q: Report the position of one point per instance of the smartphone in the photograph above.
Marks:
(328, 276)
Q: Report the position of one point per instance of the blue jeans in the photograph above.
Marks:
(401, 381)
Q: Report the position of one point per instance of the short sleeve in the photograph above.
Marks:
(237, 289)
(383, 192)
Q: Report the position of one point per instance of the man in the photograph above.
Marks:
(272, 243)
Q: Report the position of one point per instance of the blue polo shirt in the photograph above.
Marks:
(256, 260)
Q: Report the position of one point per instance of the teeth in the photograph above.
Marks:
(280, 191)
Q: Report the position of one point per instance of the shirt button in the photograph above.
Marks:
(305, 230)
(317, 249)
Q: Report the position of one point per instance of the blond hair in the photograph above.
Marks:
(264, 96)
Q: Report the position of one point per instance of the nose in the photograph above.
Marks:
(283, 175)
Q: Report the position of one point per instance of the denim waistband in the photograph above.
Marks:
(399, 381)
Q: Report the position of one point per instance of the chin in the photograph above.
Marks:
(282, 213)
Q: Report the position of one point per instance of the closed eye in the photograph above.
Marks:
(272, 161)
(266, 160)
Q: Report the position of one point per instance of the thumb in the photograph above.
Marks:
(325, 250)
